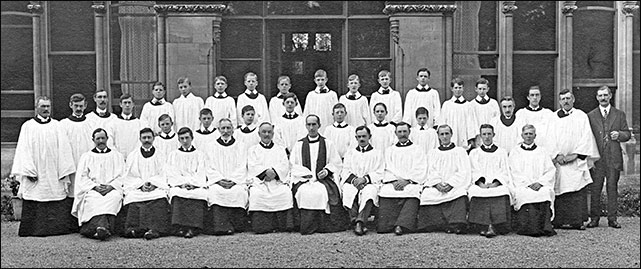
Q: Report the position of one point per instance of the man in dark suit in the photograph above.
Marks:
(610, 129)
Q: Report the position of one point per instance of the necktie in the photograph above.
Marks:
(605, 114)
(323, 90)
(422, 128)
(385, 91)
(351, 97)
(459, 101)
(252, 95)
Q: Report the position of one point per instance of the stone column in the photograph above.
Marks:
(564, 74)
(421, 35)
(623, 97)
(504, 87)
(100, 9)
(161, 46)
(39, 51)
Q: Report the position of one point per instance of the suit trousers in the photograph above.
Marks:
(610, 176)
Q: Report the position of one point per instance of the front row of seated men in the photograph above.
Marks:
(221, 189)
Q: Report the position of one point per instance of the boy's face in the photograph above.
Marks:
(206, 120)
(353, 85)
(220, 86)
(423, 77)
(384, 81)
(339, 114)
(165, 125)
(320, 81)
(457, 90)
(184, 88)
(380, 113)
(290, 104)
(482, 89)
(158, 92)
(127, 106)
(487, 134)
(284, 85)
(248, 117)
(185, 140)
(251, 82)
(421, 119)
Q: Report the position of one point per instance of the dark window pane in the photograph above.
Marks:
(593, 44)
(585, 97)
(367, 72)
(636, 99)
(304, 7)
(71, 26)
(535, 25)
(595, 3)
(245, 8)
(241, 38)
(487, 34)
(17, 59)
(20, 6)
(475, 26)
(635, 31)
(530, 70)
(366, 7)
(14, 6)
(475, 62)
(234, 72)
(69, 75)
(18, 101)
(369, 38)
(11, 128)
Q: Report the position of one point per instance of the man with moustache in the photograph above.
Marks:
(101, 117)
(42, 164)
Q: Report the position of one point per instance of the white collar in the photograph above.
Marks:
(188, 95)
(163, 134)
(427, 86)
(126, 117)
(357, 94)
(527, 146)
(161, 100)
(101, 110)
(203, 128)
(224, 94)
(381, 89)
(341, 125)
(460, 98)
(607, 108)
(313, 139)
(478, 98)
(145, 149)
(41, 118)
(317, 89)
(247, 91)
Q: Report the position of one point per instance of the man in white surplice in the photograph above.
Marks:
(575, 153)
(507, 126)
(537, 115)
(270, 198)
(99, 188)
(363, 169)
(187, 106)
(459, 114)
(404, 175)
(145, 186)
(315, 166)
(42, 164)
(444, 197)
(228, 194)
(490, 192)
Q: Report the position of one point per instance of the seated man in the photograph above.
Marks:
(363, 169)
(270, 199)
(227, 195)
(533, 176)
(187, 178)
(490, 193)
(444, 197)
(314, 160)
(404, 173)
(98, 188)
(145, 187)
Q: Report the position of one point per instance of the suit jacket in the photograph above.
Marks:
(609, 150)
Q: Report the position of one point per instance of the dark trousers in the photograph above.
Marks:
(312, 221)
(149, 215)
(397, 212)
(534, 220)
(88, 228)
(265, 222)
(355, 215)
(599, 175)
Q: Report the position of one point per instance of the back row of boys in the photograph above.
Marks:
(422, 111)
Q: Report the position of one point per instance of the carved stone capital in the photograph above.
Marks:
(394, 30)
(217, 8)
(394, 9)
(34, 7)
(509, 7)
(99, 7)
(569, 7)
(629, 7)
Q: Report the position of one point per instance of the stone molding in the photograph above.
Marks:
(509, 7)
(569, 8)
(99, 7)
(217, 8)
(35, 7)
(629, 8)
(394, 9)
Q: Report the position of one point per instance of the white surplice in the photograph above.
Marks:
(166, 143)
(126, 134)
(506, 137)
(573, 135)
(312, 194)
(491, 166)
(277, 108)
(229, 161)
(247, 139)
(426, 139)
(222, 108)
(528, 167)
(321, 105)
(383, 136)
(392, 101)
(97, 168)
(343, 137)
(205, 136)
(187, 110)
(428, 99)
(540, 118)
(451, 166)
(43, 151)
(288, 131)
(484, 112)
(462, 119)
(140, 170)
(404, 162)
(78, 130)
(187, 167)
(369, 163)
(358, 112)
(104, 122)
(259, 104)
(274, 195)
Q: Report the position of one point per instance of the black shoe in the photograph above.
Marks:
(131, 233)
(490, 232)
(579, 226)
(102, 233)
(593, 223)
(614, 224)
(180, 233)
(151, 234)
(483, 232)
(189, 234)
(358, 228)
(398, 230)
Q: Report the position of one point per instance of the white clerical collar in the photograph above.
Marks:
(226, 140)
(484, 98)
(41, 118)
(423, 87)
(75, 116)
(126, 117)
(340, 125)
(158, 101)
(248, 92)
(460, 98)
(101, 111)
(147, 149)
(279, 95)
(487, 147)
(526, 146)
(569, 111)
(102, 150)
(605, 110)
(185, 96)
(220, 95)
(313, 139)
(207, 129)
(163, 134)
(381, 89)
(534, 108)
